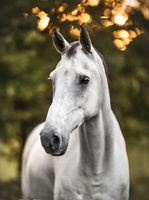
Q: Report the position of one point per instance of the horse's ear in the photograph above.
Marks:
(59, 42)
(85, 39)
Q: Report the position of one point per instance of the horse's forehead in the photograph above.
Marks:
(78, 59)
(79, 62)
(68, 63)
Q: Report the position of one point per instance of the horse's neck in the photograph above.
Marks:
(96, 144)
(96, 139)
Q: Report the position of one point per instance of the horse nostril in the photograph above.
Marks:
(55, 142)
(41, 133)
(44, 140)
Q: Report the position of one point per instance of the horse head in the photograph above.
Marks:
(77, 91)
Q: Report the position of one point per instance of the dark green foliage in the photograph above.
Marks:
(10, 190)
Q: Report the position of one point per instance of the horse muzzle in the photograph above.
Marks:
(53, 143)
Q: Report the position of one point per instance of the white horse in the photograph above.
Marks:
(83, 154)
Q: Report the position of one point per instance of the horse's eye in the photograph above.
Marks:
(83, 80)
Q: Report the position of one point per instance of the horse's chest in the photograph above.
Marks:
(76, 189)
(71, 192)
(67, 193)
(67, 187)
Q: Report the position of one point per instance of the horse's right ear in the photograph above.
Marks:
(85, 40)
(59, 42)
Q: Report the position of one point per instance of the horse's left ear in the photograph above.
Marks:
(85, 39)
(59, 42)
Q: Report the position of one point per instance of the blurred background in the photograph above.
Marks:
(118, 28)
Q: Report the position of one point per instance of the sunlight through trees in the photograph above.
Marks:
(103, 14)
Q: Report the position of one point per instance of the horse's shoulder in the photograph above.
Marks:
(31, 141)
(37, 164)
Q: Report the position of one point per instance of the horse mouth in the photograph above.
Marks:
(59, 153)
(56, 153)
